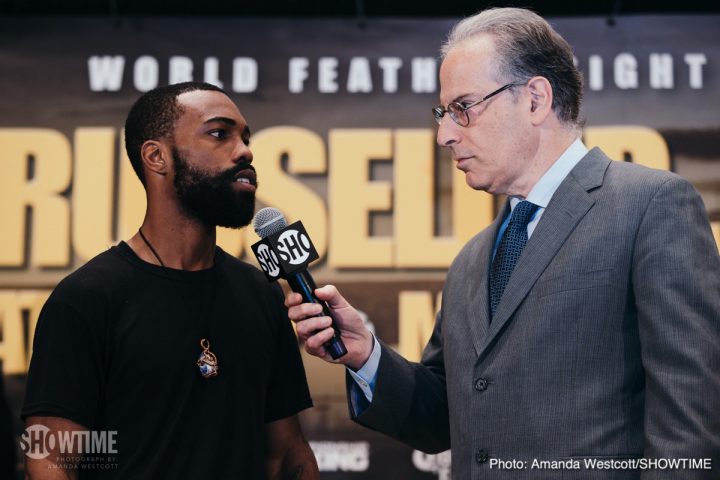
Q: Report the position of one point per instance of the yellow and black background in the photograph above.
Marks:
(338, 97)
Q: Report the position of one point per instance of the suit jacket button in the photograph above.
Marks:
(481, 384)
(481, 456)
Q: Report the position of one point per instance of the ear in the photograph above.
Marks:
(541, 98)
(154, 157)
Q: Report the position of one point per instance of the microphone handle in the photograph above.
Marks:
(303, 283)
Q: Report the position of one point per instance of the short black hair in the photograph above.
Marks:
(153, 116)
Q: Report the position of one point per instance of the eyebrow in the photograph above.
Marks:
(225, 120)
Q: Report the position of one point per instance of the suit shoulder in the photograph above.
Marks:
(628, 183)
(632, 175)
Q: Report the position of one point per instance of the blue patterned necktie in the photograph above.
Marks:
(509, 250)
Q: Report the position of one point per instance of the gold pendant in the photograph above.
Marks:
(207, 361)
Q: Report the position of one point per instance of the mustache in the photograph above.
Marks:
(231, 173)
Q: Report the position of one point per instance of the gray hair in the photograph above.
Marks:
(527, 46)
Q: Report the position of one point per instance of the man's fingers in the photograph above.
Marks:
(292, 299)
(330, 294)
(314, 344)
(314, 328)
(320, 353)
(303, 311)
(307, 328)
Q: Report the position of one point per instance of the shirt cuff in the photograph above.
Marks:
(366, 377)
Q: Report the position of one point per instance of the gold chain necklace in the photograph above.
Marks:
(207, 361)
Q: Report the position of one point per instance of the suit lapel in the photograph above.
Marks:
(476, 294)
(568, 206)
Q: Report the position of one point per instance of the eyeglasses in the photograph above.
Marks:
(458, 111)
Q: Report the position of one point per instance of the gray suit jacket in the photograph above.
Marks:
(605, 345)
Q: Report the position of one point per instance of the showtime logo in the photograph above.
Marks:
(38, 441)
(293, 247)
(268, 260)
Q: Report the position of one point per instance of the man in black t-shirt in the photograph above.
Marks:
(165, 357)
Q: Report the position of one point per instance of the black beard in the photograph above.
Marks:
(211, 199)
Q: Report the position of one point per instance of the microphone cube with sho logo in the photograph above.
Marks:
(285, 252)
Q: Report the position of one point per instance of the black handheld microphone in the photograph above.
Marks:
(285, 251)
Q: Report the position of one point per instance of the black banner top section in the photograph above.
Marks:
(653, 70)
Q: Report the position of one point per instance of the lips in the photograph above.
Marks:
(460, 162)
(246, 176)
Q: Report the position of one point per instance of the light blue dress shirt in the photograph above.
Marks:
(540, 195)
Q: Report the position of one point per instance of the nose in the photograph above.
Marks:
(243, 154)
(448, 132)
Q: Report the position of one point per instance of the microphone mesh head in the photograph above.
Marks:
(268, 221)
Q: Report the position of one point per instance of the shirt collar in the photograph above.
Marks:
(545, 188)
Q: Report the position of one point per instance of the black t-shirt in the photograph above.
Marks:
(116, 348)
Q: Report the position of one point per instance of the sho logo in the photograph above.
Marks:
(294, 247)
(439, 464)
(37, 442)
(268, 260)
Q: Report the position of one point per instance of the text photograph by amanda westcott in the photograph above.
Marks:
(343, 139)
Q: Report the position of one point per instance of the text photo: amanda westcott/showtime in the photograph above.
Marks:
(343, 139)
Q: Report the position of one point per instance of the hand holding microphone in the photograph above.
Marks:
(316, 330)
(285, 251)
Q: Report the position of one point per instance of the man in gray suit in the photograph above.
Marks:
(579, 334)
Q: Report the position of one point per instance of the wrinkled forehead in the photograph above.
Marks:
(469, 67)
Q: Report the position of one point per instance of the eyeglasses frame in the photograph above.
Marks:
(440, 111)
